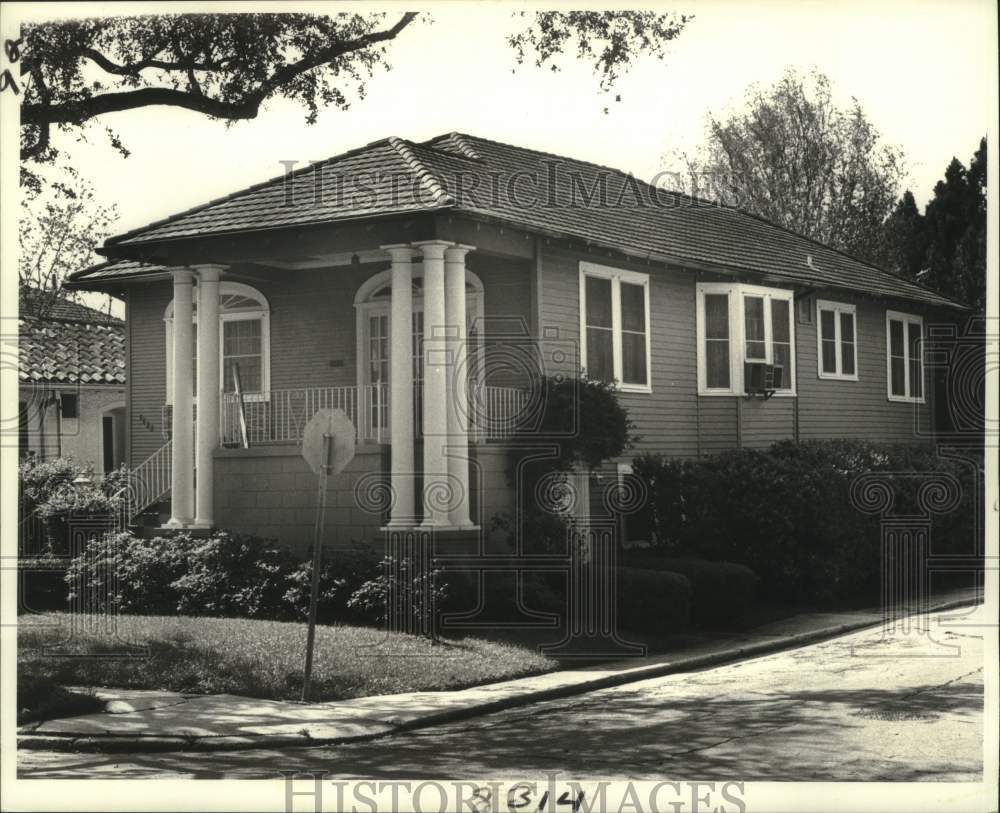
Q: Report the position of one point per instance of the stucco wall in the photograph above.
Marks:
(80, 438)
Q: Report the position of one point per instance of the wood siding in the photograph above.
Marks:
(673, 420)
(313, 338)
(147, 367)
(858, 409)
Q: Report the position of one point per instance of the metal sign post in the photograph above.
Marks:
(327, 446)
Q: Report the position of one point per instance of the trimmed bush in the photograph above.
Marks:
(653, 601)
(789, 513)
(722, 592)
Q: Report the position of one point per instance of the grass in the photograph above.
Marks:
(260, 658)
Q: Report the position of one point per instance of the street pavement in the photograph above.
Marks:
(863, 707)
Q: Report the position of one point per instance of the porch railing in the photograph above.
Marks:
(280, 416)
(496, 412)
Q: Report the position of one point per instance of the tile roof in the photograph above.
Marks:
(34, 302)
(79, 346)
(477, 176)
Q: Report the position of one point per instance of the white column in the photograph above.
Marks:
(401, 432)
(182, 448)
(434, 407)
(207, 425)
(457, 382)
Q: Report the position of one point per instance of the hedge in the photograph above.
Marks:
(226, 574)
(653, 601)
(789, 514)
(722, 592)
(244, 576)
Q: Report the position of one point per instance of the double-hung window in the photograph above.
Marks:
(904, 366)
(837, 340)
(739, 324)
(244, 342)
(614, 326)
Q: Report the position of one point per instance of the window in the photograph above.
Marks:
(743, 323)
(904, 365)
(373, 302)
(836, 340)
(69, 405)
(244, 342)
(614, 326)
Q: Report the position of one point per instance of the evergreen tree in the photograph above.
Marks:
(945, 247)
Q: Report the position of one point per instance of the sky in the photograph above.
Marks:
(921, 70)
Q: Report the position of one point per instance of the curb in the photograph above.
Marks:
(114, 743)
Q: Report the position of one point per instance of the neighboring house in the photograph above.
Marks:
(324, 283)
(71, 374)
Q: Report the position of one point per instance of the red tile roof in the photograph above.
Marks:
(489, 179)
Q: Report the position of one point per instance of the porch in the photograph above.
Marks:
(405, 319)
(280, 416)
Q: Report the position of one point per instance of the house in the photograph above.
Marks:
(71, 381)
(377, 280)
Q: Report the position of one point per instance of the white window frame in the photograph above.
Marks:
(225, 289)
(617, 277)
(906, 319)
(737, 334)
(837, 308)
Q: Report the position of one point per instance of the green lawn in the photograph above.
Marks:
(262, 658)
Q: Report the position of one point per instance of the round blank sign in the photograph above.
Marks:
(336, 424)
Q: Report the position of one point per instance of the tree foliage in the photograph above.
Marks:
(58, 233)
(609, 39)
(227, 66)
(797, 159)
(221, 65)
(945, 247)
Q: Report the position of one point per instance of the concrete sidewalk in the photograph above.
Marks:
(137, 720)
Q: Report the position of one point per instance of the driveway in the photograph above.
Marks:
(863, 707)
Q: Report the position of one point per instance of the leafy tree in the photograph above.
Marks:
(795, 158)
(58, 234)
(226, 66)
(945, 247)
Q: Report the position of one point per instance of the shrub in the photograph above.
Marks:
(400, 595)
(583, 422)
(39, 480)
(788, 513)
(344, 570)
(132, 575)
(653, 601)
(722, 592)
(497, 597)
(226, 574)
(235, 574)
(50, 490)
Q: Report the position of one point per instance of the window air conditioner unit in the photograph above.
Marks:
(762, 379)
